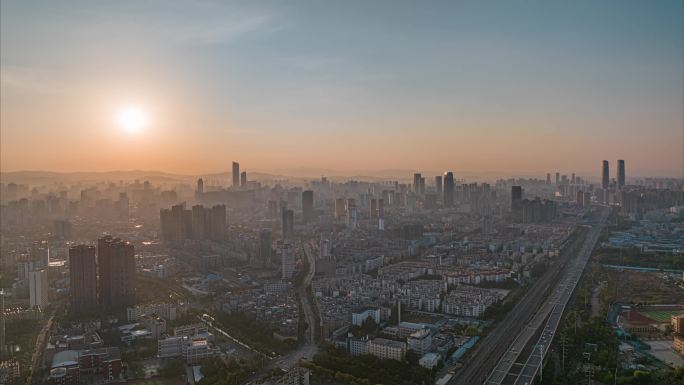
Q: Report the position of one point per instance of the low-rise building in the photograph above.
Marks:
(9, 371)
(191, 349)
(169, 347)
(429, 360)
(103, 361)
(164, 310)
(155, 324)
(296, 376)
(387, 349)
(678, 324)
(357, 346)
(359, 317)
(420, 341)
(678, 344)
(197, 349)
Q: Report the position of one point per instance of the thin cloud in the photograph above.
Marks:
(219, 32)
(28, 79)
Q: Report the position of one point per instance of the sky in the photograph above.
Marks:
(478, 86)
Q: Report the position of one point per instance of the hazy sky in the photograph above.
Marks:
(462, 85)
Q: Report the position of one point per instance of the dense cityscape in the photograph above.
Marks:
(289, 282)
(306, 192)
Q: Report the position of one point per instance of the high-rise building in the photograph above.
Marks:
(122, 206)
(516, 202)
(200, 223)
(236, 174)
(219, 221)
(265, 247)
(340, 209)
(430, 202)
(176, 223)
(287, 219)
(548, 178)
(621, 174)
(82, 278)
(24, 268)
(62, 229)
(38, 288)
(381, 208)
(287, 260)
(200, 187)
(605, 175)
(116, 269)
(308, 205)
(243, 179)
(438, 184)
(448, 189)
(373, 208)
(416, 182)
(351, 213)
(557, 178)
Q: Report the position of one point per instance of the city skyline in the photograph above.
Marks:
(390, 192)
(471, 87)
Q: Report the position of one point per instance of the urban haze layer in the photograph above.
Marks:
(428, 279)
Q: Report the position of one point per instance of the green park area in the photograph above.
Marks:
(661, 315)
(332, 364)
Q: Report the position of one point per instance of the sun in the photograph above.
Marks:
(132, 120)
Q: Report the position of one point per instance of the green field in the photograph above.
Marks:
(661, 315)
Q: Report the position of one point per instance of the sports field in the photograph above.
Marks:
(661, 315)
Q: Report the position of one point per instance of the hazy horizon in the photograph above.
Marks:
(315, 173)
(487, 88)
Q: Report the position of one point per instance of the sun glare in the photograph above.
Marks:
(132, 120)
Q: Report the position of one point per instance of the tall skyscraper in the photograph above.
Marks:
(416, 183)
(448, 189)
(200, 223)
(236, 174)
(83, 278)
(351, 213)
(38, 288)
(243, 179)
(265, 247)
(287, 260)
(605, 175)
(116, 268)
(516, 203)
(200, 187)
(557, 178)
(438, 184)
(219, 221)
(548, 178)
(287, 219)
(308, 205)
(340, 209)
(621, 174)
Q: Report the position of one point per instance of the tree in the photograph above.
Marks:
(412, 357)
(172, 368)
(368, 326)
